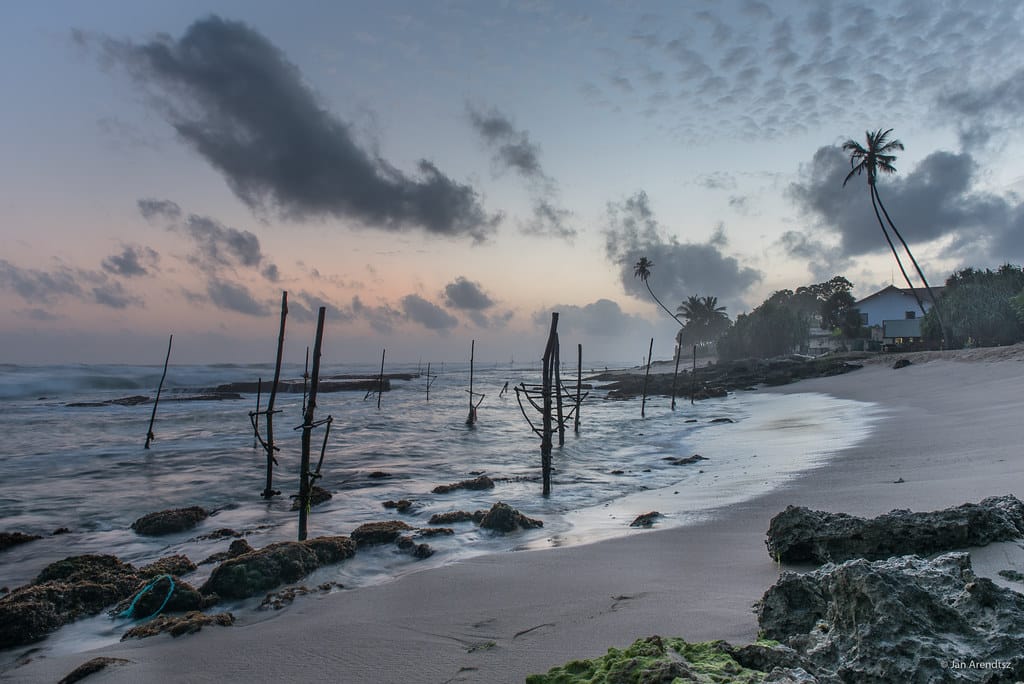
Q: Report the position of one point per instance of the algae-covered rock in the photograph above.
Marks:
(645, 519)
(169, 521)
(879, 621)
(799, 534)
(178, 625)
(477, 483)
(379, 532)
(504, 518)
(317, 496)
(237, 548)
(259, 571)
(9, 539)
(91, 667)
(455, 517)
(662, 660)
(169, 565)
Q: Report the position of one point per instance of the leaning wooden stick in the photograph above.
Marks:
(269, 490)
(647, 374)
(149, 433)
(307, 426)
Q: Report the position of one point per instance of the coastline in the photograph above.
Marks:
(950, 433)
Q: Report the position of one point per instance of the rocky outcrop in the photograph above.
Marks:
(237, 548)
(170, 521)
(409, 545)
(161, 595)
(402, 505)
(688, 460)
(504, 518)
(455, 517)
(477, 483)
(279, 599)
(801, 535)
(66, 590)
(317, 496)
(9, 539)
(379, 532)
(177, 625)
(168, 565)
(91, 667)
(276, 564)
(865, 621)
(902, 363)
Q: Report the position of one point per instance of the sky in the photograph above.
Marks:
(436, 173)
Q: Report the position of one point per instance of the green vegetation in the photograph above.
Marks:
(980, 308)
(705, 322)
(655, 660)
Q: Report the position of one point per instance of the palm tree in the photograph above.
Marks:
(705, 320)
(642, 270)
(877, 156)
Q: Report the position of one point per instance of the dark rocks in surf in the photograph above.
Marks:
(799, 534)
(646, 519)
(383, 532)
(402, 506)
(169, 521)
(237, 548)
(865, 621)
(901, 363)
(9, 539)
(455, 517)
(90, 667)
(317, 496)
(168, 565)
(476, 484)
(688, 460)
(276, 564)
(176, 626)
(504, 518)
(414, 549)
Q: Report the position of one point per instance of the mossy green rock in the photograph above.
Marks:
(663, 660)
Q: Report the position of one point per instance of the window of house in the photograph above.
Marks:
(911, 315)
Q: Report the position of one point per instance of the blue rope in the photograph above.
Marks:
(127, 612)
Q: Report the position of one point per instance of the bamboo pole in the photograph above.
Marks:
(545, 440)
(256, 413)
(149, 433)
(307, 426)
(693, 375)
(579, 386)
(675, 374)
(471, 418)
(558, 393)
(269, 491)
(643, 404)
(428, 381)
(380, 381)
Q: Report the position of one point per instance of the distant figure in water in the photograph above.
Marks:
(503, 389)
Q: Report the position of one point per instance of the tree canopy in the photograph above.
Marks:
(978, 308)
(705, 321)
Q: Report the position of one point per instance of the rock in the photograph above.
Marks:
(660, 660)
(378, 532)
(91, 667)
(1012, 575)
(169, 565)
(618, 472)
(189, 623)
(504, 518)
(378, 475)
(801, 535)
(434, 531)
(317, 495)
(901, 363)
(722, 420)
(9, 539)
(279, 599)
(401, 506)
(866, 621)
(454, 517)
(64, 530)
(684, 461)
(237, 548)
(149, 599)
(170, 521)
(64, 591)
(417, 550)
(259, 571)
(219, 534)
(646, 519)
(477, 483)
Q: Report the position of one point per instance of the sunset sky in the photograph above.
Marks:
(436, 172)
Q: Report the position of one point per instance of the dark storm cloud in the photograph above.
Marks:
(156, 208)
(824, 260)
(34, 285)
(937, 199)
(680, 269)
(271, 273)
(114, 296)
(234, 297)
(303, 306)
(467, 295)
(233, 96)
(132, 261)
(427, 314)
(513, 150)
(602, 318)
(222, 245)
(986, 110)
(381, 318)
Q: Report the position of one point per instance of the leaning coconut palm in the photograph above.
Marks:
(877, 156)
(642, 270)
(705, 320)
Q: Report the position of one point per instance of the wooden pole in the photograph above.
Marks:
(471, 418)
(579, 386)
(693, 375)
(675, 374)
(149, 433)
(545, 438)
(256, 413)
(643, 404)
(307, 426)
(428, 381)
(269, 491)
(558, 393)
(380, 382)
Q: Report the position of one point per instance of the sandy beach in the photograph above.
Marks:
(950, 434)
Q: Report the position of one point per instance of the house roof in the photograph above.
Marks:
(906, 291)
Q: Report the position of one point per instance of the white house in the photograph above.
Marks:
(896, 306)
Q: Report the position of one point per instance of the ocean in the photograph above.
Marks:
(84, 468)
